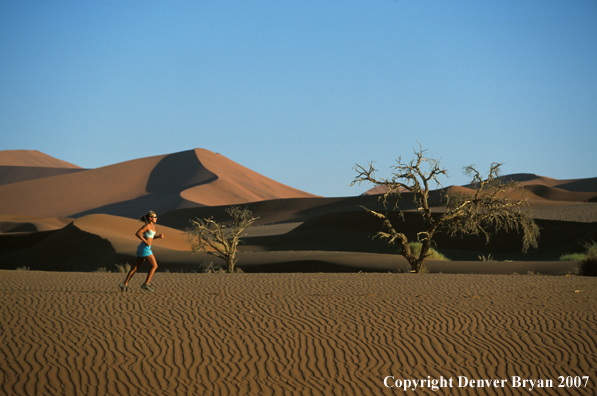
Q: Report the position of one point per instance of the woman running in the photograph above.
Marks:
(146, 234)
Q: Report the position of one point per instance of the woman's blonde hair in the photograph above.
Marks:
(146, 217)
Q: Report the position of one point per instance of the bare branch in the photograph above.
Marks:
(220, 240)
(487, 209)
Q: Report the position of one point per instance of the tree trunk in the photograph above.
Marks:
(425, 245)
(231, 261)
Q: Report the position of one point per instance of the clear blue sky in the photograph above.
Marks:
(300, 91)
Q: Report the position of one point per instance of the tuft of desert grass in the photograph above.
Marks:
(590, 249)
(488, 258)
(415, 248)
(123, 268)
(210, 268)
(587, 261)
(573, 257)
(590, 252)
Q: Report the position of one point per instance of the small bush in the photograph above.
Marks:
(573, 257)
(531, 273)
(210, 268)
(588, 267)
(488, 258)
(123, 268)
(591, 249)
(590, 252)
(399, 271)
(415, 248)
(23, 268)
(102, 270)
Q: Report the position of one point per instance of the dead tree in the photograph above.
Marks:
(219, 239)
(487, 209)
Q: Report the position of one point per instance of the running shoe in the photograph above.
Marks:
(122, 287)
(147, 287)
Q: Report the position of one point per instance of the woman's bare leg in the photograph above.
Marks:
(154, 266)
(138, 262)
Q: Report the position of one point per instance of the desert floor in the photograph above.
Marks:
(66, 333)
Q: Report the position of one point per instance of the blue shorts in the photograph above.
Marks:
(143, 250)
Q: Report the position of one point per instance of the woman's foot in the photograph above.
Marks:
(147, 287)
(122, 287)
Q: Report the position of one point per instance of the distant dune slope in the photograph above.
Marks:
(235, 184)
(574, 185)
(89, 242)
(86, 218)
(16, 174)
(32, 158)
(581, 185)
(66, 249)
(21, 165)
(72, 194)
(304, 227)
(538, 188)
(120, 232)
(277, 210)
(186, 179)
(20, 223)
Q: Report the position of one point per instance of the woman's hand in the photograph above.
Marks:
(159, 236)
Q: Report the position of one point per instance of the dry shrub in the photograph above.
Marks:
(123, 268)
(433, 254)
(588, 267)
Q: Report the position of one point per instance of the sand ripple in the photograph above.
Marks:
(275, 334)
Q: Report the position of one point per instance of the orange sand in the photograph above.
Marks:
(291, 334)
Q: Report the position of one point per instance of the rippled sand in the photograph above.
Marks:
(286, 334)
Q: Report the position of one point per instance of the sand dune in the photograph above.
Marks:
(293, 334)
(538, 189)
(582, 212)
(16, 174)
(130, 188)
(22, 165)
(275, 210)
(557, 194)
(580, 185)
(92, 242)
(121, 231)
(573, 185)
(83, 221)
(72, 194)
(18, 223)
(322, 240)
(32, 158)
(292, 235)
(235, 184)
